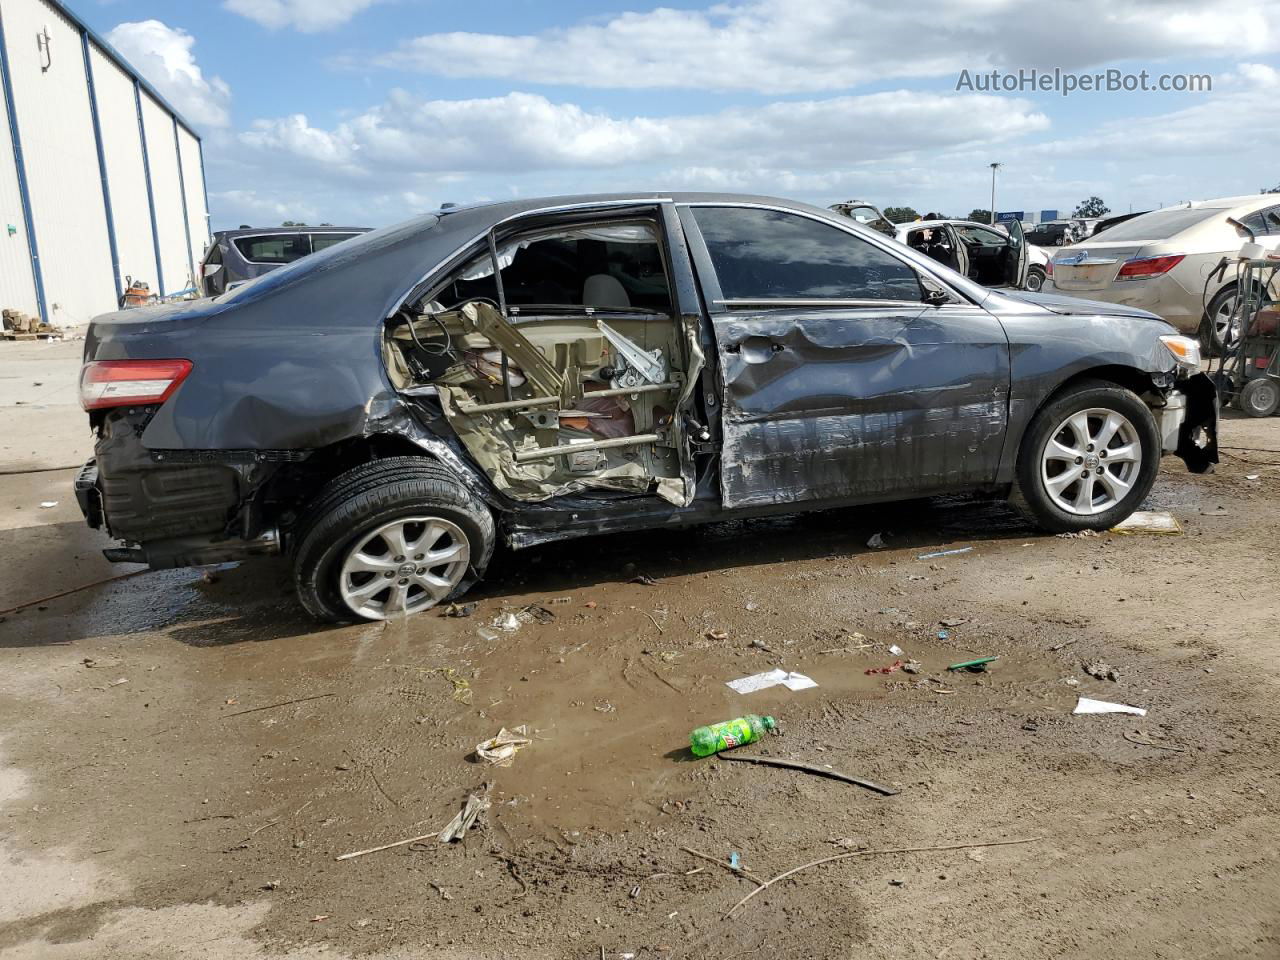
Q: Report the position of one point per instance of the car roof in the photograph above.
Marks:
(271, 231)
(916, 224)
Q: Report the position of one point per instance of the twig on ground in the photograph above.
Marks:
(272, 706)
(386, 846)
(655, 623)
(867, 853)
(514, 869)
(66, 593)
(740, 871)
(1148, 742)
(812, 768)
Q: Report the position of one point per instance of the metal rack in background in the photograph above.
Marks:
(1248, 373)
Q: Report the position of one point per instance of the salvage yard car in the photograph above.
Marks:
(1170, 262)
(236, 256)
(533, 370)
(987, 255)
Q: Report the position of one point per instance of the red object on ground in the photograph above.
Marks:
(896, 665)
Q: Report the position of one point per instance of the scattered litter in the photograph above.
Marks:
(460, 609)
(461, 688)
(502, 749)
(943, 553)
(717, 635)
(876, 542)
(559, 600)
(771, 678)
(319, 917)
(954, 621)
(47, 504)
(1077, 534)
(116, 683)
(759, 644)
(974, 666)
(590, 604)
(484, 633)
(1139, 737)
(895, 650)
(457, 828)
(1216, 512)
(1253, 476)
(896, 665)
(645, 580)
(1101, 671)
(943, 635)
(814, 769)
(507, 622)
(911, 666)
(733, 860)
(539, 613)
(704, 741)
(751, 606)
(385, 846)
(1149, 521)
(1064, 643)
(1085, 705)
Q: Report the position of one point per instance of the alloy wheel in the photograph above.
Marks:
(1091, 461)
(403, 567)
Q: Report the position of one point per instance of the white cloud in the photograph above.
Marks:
(163, 55)
(309, 16)
(251, 208)
(523, 132)
(780, 46)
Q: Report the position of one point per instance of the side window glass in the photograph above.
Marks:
(1256, 223)
(1271, 217)
(618, 266)
(772, 255)
(323, 241)
(274, 248)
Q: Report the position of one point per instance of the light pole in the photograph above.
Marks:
(994, 168)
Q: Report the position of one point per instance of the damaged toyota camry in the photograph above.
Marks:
(384, 411)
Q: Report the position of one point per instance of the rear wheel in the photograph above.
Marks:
(1222, 326)
(1035, 279)
(1088, 458)
(1260, 397)
(391, 543)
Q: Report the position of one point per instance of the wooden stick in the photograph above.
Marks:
(272, 706)
(67, 593)
(868, 853)
(811, 768)
(720, 863)
(387, 846)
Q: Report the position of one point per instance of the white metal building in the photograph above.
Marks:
(99, 176)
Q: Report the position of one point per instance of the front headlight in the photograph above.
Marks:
(1186, 351)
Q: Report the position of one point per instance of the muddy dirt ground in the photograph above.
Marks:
(159, 798)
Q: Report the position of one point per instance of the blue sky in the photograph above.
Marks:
(368, 111)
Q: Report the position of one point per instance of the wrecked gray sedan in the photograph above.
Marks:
(384, 410)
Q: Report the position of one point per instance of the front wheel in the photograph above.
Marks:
(1088, 458)
(1035, 279)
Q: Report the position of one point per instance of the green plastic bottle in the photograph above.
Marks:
(732, 733)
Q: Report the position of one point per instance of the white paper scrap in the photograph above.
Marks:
(1085, 705)
(773, 678)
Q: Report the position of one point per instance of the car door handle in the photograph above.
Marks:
(756, 349)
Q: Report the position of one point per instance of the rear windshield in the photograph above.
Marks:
(273, 248)
(1160, 224)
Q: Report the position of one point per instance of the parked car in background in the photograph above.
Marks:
(1051, 233)
(1171, 262)
(1106, 223)
(542, 369)
(996, 256)
(867, 214)
(235, 256)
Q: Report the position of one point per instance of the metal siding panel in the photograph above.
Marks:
(61, 161)
(193, 180)
(122, 147)
(17, 285)
(167, 193)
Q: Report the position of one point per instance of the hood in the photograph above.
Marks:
(1073, 306)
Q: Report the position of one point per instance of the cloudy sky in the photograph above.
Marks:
(367, 111)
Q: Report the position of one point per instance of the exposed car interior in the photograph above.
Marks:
(563, 371)
(988, 257)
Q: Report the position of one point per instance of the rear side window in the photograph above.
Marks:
(275, 248)
(772, 255)
(323, 241)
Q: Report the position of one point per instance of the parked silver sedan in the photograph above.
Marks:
(1170, 262)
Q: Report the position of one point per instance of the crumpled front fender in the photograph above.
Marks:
(1198, 435)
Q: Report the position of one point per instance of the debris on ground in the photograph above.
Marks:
(759, 644)
(876, 542)
(507, 622)
(644, 580)
(814, 769)
(1253, 476)
(461, 687)
(1159, 522)
(771, 678)
(1101, 671)
(1218, 511)
(895, 650)
(944, 553)
(871, 671)
(386, 846)
(974, 666)
(477, 802)
(1137, 736)
(717, 635)
(911, 666)
(459, 610)
(1086, 705)
(500, 750)
(48, 504)
(704, 741)
(953, 621)
(539, 613)
(944, 635)
(1077, 534)
(559, 600)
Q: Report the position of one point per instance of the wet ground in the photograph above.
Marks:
(184, 755)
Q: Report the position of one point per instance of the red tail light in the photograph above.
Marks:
(1149, 266)
(1048, 268)
(118, 383)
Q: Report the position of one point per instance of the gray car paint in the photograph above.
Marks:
(292, 362)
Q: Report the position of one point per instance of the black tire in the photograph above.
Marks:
(355, 506)
(1259, 397)
(1211, 340)
(1030, 493)
(1035, 279)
